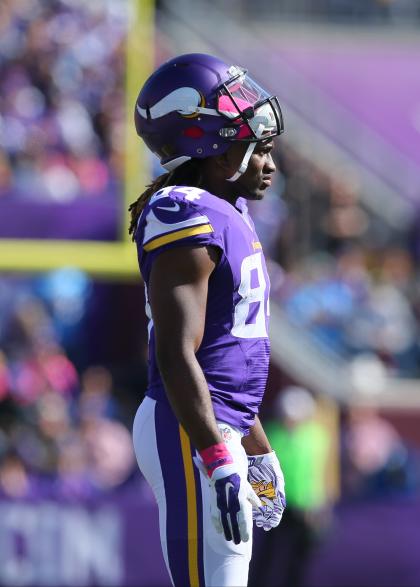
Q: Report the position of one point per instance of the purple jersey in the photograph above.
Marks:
(234, 353)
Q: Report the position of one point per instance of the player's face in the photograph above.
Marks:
(257, 178)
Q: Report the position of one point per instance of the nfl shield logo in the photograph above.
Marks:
(226, 434)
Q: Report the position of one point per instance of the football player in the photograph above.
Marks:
(197, 436)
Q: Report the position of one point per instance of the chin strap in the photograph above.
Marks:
(244, 164)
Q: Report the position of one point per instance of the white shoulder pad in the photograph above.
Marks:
(171, 218)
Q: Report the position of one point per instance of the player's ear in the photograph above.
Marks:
(229, 161)
(220, 166)
(223, 162)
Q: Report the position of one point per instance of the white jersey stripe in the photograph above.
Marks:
(155, 227)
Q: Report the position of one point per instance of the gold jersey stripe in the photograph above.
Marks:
(257, 245)
(191, 509)
(174, 236)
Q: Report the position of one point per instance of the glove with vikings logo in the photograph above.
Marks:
(231, 493)
(267, 480)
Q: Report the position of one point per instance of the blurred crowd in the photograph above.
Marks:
(359, 302)
(61, 98)
(349, 280)
(330, 454)
(64, 429)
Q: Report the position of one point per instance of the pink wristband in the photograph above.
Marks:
(215, 456)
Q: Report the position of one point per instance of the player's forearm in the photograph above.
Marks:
(256, 442)
(189, 397)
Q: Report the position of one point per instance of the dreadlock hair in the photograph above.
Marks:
(189, 173)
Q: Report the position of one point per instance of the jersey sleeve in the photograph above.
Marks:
(172, 221)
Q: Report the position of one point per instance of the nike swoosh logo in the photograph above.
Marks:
(175, 208)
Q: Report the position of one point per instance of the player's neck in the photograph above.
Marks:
(220, 187)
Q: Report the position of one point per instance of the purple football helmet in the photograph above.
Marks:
(195, 105)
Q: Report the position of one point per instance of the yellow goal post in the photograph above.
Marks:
(113, 259)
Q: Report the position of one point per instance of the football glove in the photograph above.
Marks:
(267, 480)
(229, 502)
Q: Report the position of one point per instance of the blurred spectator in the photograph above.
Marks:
(62, 104)
(377, 462)
(107, 441)
(96, 400)
(110, 452)
(303, 444)
(322, 299)
(14, 480)
(74, 478)
(385, 322)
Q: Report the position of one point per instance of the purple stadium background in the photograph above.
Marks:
(377, 542)
(374, 543)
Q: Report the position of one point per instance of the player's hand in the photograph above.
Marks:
(267, 480)
(232, 495)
